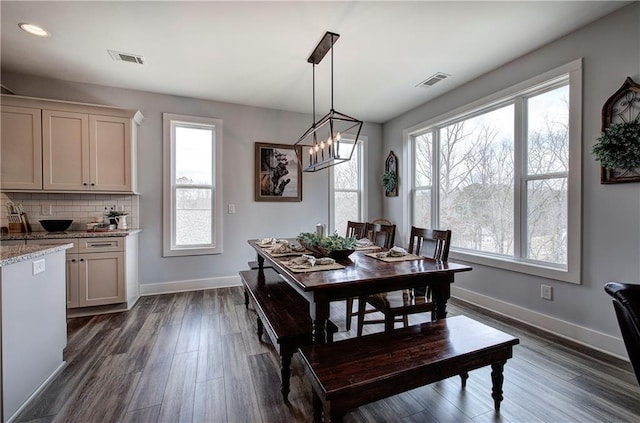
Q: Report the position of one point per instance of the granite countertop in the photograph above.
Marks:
(66, 234)
(16, 253)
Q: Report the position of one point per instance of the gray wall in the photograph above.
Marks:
(242, 126)
(610, 49)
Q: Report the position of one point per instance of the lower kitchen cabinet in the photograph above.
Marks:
(100, 279)
(100, 272)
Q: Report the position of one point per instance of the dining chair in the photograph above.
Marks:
(626, 302)
(356, 230)
(398, 305)
(383, 236)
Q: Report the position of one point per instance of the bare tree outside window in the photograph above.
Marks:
(193, 186)
(476, 185)
(477, 176)
(346, 187)
(548, 168)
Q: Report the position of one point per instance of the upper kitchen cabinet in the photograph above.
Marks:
(21, 143)
(83, 147)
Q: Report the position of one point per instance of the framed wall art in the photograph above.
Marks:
(278, 174)
(619, 142)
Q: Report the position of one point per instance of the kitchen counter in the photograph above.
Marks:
(66, 234)
(17, 253)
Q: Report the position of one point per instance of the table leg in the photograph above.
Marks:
(441, 293)
(496, 379)
(319, 315)
(260, 262)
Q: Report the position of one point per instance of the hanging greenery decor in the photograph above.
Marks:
(389, 181)
(618, 147)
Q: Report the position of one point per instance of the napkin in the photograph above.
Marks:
(306, 261)
(364, 242)
(281, 247)
(394, 252)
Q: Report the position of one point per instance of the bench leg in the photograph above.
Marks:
(260, 329)
(497, 378)
(463, 379)
(317, 408)
(285, 373)
(246, 299)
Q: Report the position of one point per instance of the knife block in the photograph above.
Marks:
(16, 227)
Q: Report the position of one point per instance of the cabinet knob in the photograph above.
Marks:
(73, 260)
(85, 184)
(92, 184)
(81, 259)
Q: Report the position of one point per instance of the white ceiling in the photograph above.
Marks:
(255, 53)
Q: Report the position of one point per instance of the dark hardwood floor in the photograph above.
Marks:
(194, 357)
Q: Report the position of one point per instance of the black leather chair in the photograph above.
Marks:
(626, 301)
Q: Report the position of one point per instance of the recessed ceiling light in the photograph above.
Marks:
(33, 29)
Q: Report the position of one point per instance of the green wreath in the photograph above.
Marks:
(389, 181)
(618, 147)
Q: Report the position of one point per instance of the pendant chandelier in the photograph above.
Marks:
(321, 147)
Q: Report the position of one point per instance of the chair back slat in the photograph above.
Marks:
(433, 243)
(381, 235)
(356, 229)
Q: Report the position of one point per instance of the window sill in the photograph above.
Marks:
(529, 268)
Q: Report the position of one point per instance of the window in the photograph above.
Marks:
(192, 195)
(347, 187)
(504, 175)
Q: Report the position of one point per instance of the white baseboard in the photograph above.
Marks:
(188, 285)
(37, 392)
(585, 336)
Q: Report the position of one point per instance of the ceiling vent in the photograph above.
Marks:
(126, 57)
(432, 80)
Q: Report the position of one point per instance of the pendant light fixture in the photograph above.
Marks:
(321, 146)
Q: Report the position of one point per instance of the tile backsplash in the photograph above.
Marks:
(82, 208)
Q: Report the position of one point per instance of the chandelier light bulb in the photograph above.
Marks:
(338, 136)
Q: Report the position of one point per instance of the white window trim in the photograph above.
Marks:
(168, 200)
(364, 184)
(572, 273)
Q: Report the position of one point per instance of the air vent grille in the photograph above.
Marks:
(433, 79)
(126, 57)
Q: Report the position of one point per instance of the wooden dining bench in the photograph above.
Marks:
(283, 314)
(349, 373)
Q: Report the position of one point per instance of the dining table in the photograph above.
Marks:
(361, 273)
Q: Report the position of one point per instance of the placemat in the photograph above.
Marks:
(395, 259)
(290, 253)
(369, 248)
(316, 268)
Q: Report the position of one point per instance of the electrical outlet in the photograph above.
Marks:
(38, 266)
(231, 209)
(47, 210)
(546, 292)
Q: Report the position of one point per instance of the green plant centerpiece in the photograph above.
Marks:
(618, 147)
(334, 245)
(389, 181)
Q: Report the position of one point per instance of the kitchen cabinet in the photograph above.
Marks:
(80, 147)
(21, 155)
(101, 271)
(86, 152)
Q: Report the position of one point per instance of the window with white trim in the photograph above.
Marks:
(504, 176)
(346, 187)
(192, 196)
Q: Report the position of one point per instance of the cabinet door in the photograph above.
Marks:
(65, 148)
(110, 162)
(101, 279)
(73, 261)
(21, 148)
